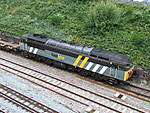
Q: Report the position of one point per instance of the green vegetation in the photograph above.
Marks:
(114, 26)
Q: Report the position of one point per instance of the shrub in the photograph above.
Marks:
(55, 19)
(103, 16)
(77, 0)
(138, 39)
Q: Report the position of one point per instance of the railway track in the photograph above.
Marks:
(23, 101)
(68, 90)
(2, 111)
(128, 86)
(136, 90)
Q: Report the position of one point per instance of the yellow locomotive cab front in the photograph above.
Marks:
(128, 74)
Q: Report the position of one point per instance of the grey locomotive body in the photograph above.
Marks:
(90, 59)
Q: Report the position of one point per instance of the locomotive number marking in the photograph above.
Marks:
(61, 57)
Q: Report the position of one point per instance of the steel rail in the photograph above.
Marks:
(62, 89)
(18, 94)
(1, 111)
(79, 88)
(18, 103)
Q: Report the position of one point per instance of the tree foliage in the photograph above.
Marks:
(114, 26)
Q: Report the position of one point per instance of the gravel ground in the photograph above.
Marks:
(49, 98)
(37, 93)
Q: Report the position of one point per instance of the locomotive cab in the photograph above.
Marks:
(128, 74)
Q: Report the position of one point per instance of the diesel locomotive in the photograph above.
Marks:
(101, 63)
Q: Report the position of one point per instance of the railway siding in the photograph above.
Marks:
(75, 92)
(30, 70)
(23, 101)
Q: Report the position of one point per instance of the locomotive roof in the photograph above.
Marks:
(81, 49)
(91, 51)
(110, 55)
(69, 46)
(36, 37)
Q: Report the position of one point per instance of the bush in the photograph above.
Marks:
(103, 16)
(138, 39)
(125, 29)
(77, 0)
(55, 19)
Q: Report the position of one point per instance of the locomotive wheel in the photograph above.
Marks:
(38, 58)
(25, 54)
(59, 65)
(47, 61)
(70, 68)
(33, 56)
(82, 72)
(98, 77)
(7, 48)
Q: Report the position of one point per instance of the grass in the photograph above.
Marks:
(120, 27)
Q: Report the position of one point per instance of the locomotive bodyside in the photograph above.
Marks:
(78, 56)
